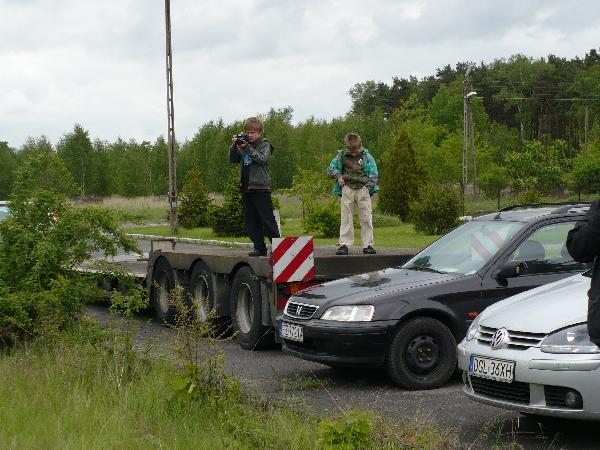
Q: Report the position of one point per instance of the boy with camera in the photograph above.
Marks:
(252, 151)
(355, 172)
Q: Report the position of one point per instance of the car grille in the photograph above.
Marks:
(518, 340)
(515, 392)
(300, 310)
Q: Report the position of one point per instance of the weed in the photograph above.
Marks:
(352, 431)
(200, 376)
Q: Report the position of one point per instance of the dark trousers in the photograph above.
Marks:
(259, 218)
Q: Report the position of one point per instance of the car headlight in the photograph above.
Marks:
(570, 340)
(362, 313)
(472, 331)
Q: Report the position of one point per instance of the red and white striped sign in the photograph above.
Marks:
(292, 259)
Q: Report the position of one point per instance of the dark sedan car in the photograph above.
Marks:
(408, 319)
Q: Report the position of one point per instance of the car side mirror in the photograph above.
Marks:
(510, 269)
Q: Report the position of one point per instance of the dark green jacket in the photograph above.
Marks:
(260, 152)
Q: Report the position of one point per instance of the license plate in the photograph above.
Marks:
(291, 332)
(493, 369)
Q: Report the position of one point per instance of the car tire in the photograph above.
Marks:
(246, 312)
(422, 354)
(163, 283)
(201, 292)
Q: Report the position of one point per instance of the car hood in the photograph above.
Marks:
(543, 309)
(362, 289)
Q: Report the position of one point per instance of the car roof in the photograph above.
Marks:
(532, 212)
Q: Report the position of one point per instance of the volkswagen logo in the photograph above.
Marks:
(500, 339)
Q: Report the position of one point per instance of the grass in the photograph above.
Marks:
(402, 235)
(87, 390)
(389, 231)
(151, 209)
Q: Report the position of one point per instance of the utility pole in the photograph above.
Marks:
(468, 138)
(171, 124)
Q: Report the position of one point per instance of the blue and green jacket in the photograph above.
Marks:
(336, 167)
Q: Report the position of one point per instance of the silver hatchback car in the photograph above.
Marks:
(532, 353)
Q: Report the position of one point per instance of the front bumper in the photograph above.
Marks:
(540, 383)
(352, 344)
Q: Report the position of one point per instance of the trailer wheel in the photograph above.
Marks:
(422, 354)
(201, 291)
(163, 282)
(246, 311)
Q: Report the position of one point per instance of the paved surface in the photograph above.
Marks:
(478, 426)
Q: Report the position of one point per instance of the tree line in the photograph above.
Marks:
(535, 120)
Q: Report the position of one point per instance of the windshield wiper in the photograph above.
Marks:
(424, 269)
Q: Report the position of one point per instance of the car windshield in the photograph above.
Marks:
(466, 249)
(3, 213)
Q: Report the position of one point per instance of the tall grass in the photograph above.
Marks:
(86, 390)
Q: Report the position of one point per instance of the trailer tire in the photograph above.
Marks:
(246, 312)
(163, 283)
(201, 291)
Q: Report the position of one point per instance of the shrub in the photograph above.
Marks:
(40, 292)
(322, 219)
(529, 196)
(353, 431)
(436, 210)
(401, 178)
(196, 205)
(228, 219)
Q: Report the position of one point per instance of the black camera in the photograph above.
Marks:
(241, 139)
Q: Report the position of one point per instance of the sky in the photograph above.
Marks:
(102, 63)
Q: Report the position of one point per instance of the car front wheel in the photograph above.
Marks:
(422, 354)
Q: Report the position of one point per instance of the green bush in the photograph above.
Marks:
(196, 205)
(322, 219)
(529, 196)
(436, 210)
(40, 292)
(353, 431)
(228, 219)
(402, 177)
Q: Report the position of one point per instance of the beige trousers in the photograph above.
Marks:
(361, 198)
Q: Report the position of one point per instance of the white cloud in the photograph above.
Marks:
(101, 64)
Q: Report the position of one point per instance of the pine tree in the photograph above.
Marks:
(195, 207)
(228, 220)
(401, 178)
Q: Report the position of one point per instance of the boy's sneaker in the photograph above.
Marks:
(257, 253)
(369, 250)
(342, 250)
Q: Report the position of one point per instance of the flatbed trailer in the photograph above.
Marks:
(241, 288)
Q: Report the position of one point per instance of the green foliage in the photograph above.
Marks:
(228, 219)
(75, 150)
(200, 376)
(529, 196)
(196, 206)
(586, 172)
(402, 177)
(538, 166)
(8, 162)
(40, 292)
(43, 170)
(352, 431)
(493, 181)
(436, 210)
(323, 219)
(310, 187)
